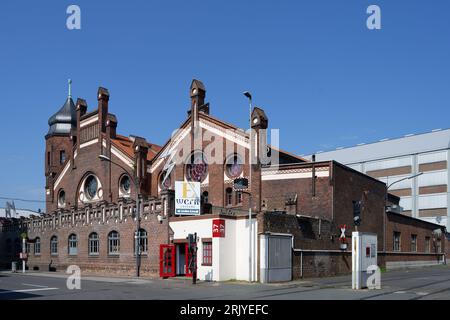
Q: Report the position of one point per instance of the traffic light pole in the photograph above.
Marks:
(192, 248)
(357, 214)
(194, 261)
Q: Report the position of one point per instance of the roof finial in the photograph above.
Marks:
(70, 88)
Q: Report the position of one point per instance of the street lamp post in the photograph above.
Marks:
(138, 212)
(138, 227)
(386, 199)
(406, 178)
(249, 96)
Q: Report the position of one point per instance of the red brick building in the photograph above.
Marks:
(91, 216)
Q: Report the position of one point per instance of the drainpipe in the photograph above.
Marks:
(320, 227)
(313, 181)
(301, 264)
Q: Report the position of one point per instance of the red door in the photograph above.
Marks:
(167, 260)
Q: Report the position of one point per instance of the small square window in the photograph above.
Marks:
(207, 254)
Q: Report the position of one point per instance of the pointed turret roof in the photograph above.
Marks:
(63, 121)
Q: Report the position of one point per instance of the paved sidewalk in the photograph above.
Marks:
(415, 284)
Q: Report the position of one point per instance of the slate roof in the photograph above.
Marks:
(64, 120)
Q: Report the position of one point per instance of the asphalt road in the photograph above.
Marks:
(413, 284)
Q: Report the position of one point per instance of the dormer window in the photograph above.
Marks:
(228, 197)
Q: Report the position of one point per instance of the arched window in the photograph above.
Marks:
(73, 244)
(143, 242)
(165, 180)
(37, 246)
(61, 199)
(205, 197)
(125, 185)
(93, 244)
(238, 197)
(113, 243)
(54, 245)
(228, 197)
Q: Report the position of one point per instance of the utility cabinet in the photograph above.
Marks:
(364, 258)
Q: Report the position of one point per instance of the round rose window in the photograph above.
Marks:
(197, 169)
(125, 184)
(234, 166)
(165, 182)
(90, 187)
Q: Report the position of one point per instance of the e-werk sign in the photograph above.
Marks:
(187, 198)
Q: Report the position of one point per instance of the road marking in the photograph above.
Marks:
(400, 292)
(27, 290)
(34, 285)
(422, 293)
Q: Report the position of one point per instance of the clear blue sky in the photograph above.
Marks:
(323, 78)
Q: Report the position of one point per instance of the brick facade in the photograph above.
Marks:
(309, 200)
(103, 262)
(315, 225)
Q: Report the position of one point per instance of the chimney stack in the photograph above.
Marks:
(103, 98)
(111, 127)
(81, 108)
(140, 148)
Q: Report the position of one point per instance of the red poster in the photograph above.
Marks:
(218, 228)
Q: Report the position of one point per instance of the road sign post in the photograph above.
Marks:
(24, 253)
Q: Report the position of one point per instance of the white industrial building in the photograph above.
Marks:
(426, 196)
